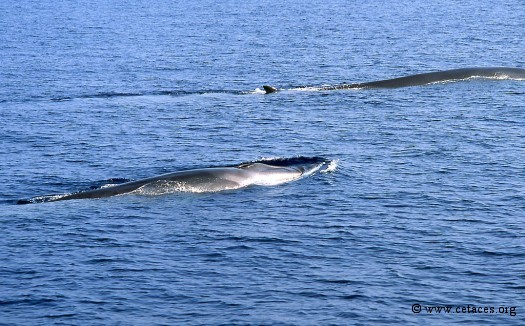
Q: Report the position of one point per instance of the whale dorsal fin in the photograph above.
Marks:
(269, 89)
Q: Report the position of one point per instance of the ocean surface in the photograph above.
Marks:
(424, 208)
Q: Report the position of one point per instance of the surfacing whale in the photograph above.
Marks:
(266, 172)
(429, 78)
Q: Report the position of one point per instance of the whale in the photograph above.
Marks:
(267, 172)
(428, 78)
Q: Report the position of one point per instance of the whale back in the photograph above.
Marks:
(447, 76)
(280, 170)
(429, 78)
(263, 172)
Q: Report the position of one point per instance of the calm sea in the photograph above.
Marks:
(425, 209)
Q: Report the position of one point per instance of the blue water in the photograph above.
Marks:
(426, 205)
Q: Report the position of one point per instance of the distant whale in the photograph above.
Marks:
(428, 78)
(263, 172)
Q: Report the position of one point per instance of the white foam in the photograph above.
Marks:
(162, 188)
(331, 167)
(170, 187)
(109, 185)
(258, 91)
(47, 198)
(307, 89)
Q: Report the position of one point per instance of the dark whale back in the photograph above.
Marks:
(447, 75)
(429, 78)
